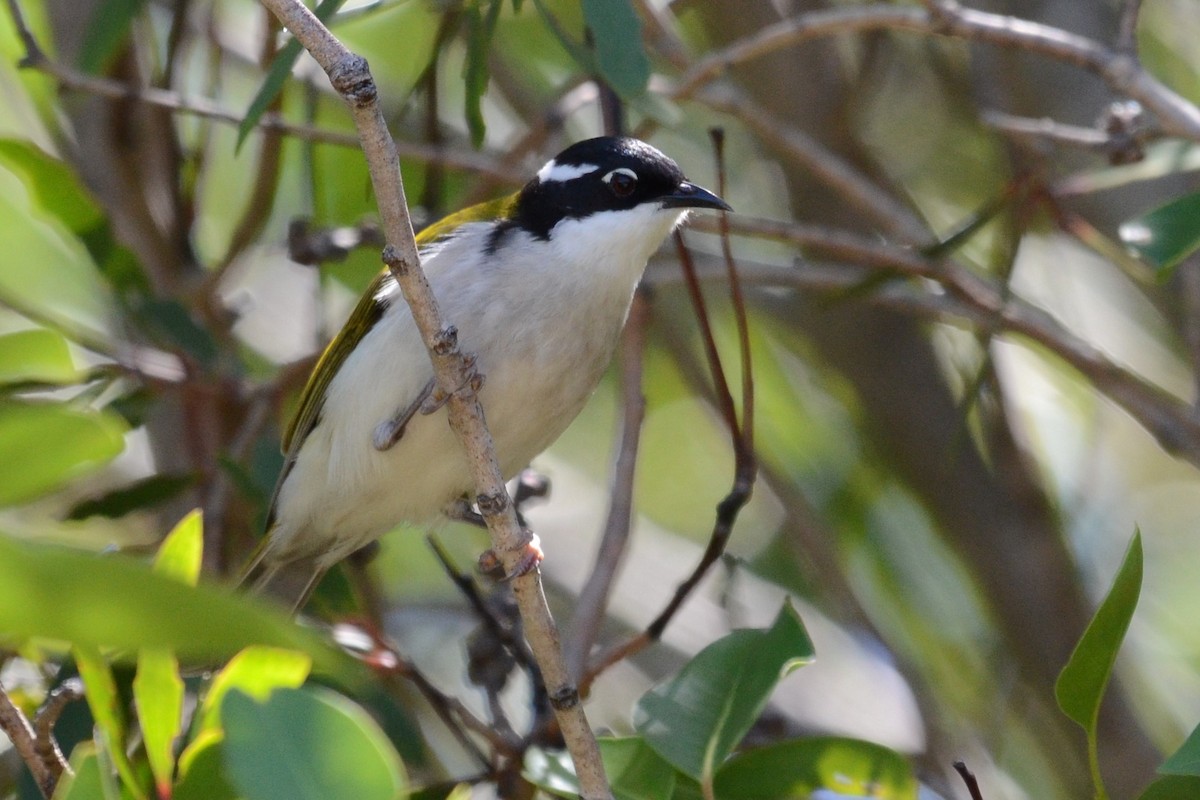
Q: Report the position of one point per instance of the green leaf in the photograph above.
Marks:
(90, 781)
(180, 554)
(44, 445)
(158, 694)
(307, 744)
(278, 74)
(617, 37)
(202, 771)
(146, 493)
(53, 185)
(256, 672)
(69, 596)
(173, 323)
(1173, 787)
(107, 29)
(105, 702)
(36, 356)
(1165, 236)
(802, 767)
(696, 719)
(480, 30)
(1080, 685)
(635, 771)
(1185, 760)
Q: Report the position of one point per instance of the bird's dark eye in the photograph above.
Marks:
(622, 181)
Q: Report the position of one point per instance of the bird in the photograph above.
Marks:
(538, 284)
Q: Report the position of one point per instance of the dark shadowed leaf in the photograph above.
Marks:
(136, 496)
(1173, 787)
(695, 719)
(1167, 235)
(1185, 760)
(107, 29)
(617, 36)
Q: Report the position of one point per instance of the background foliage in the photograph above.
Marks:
(969, 394)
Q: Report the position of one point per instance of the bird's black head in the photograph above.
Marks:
(607, 173)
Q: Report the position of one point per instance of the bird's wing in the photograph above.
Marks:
(363, 318)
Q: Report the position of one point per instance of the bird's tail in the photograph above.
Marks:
(289, 583)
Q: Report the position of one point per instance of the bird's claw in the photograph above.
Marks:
(438, 398)
(530, 557)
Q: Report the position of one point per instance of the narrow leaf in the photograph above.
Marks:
(1081, 684)
(158, 695)
(90, 781)
(108, 28)
(480, 30)
(278, 74)
(620, 54)
(145, 493)
(180, 554)
(105, 702)
(307, 745)
(1165, 236)
(695, 719)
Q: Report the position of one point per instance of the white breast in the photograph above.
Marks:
(543, 318)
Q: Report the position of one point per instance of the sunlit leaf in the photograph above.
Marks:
(278, 74)
(43, 445)
(1185, 760)
(617, 36)
(1167, 235)
(36, 356)
(256, 672)
(136, 496)
(307, 744)
(105, 702)
(1081, 684)
(202, 771)
(802, 767)
(108, 28)
(181, 553)
(695, 719)
(65, 595)
(158, 695)
(90, 782)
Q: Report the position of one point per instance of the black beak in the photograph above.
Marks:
(689, 195)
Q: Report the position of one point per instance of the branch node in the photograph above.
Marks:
(445, 341)
(351, 78)
(566, 697)
(395, 260)
(492, 504)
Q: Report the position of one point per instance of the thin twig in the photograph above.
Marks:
(1119, 70)
(43, 725)
(1127, 28)
(352, 80)
(593, 599)
(969, 779)
(20, 733)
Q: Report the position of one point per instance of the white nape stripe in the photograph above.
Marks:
(553, 171)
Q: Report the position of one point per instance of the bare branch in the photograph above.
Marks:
(1118, 69)
(20, 733)
(351, 78)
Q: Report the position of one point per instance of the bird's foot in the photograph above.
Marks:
(530, 556)
(439, 398)
(390, 431)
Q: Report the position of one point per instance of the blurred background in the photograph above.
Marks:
(968, 393)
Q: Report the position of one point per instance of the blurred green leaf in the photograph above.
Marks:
(1081, 684)
(202, 771)
(173, 323)
(801, 767)
(617, 37)
(255, 672)
(481, 28)
(52, 184)
(695, 719)
(44, 445)
(635, 771)
(69, 596)
(1173, 787)
(307, 743)
(158, 695)
(1185, 760)
(1165, 236)
(107, 29)
(278, 74)
(90, 781)
(136, 496)
(105, 702)
(181, 553)
(36, 356)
